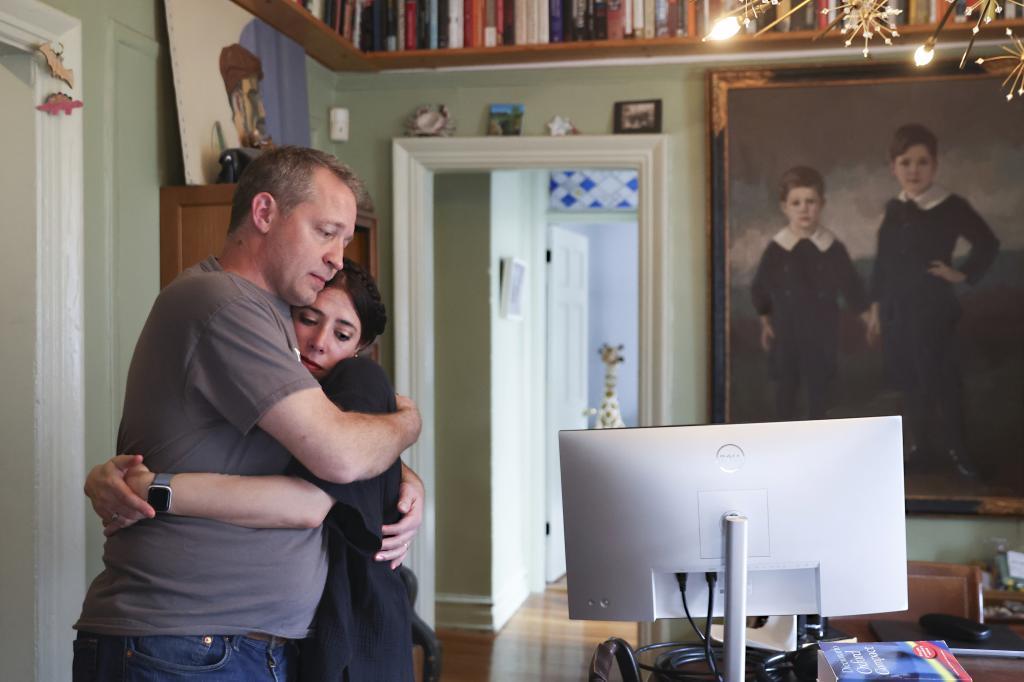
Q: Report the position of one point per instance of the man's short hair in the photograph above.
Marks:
(286, 173)
(801, 176)
(906, 136)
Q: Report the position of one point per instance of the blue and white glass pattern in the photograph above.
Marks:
(593, 190)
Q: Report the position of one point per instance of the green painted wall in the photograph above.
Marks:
(463, 387)
(379, 104)
(18, 573)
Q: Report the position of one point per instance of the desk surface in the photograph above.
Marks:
(980, 668)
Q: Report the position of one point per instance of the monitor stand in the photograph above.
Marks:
(735, 638)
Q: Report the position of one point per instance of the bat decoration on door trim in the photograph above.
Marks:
(56, 64)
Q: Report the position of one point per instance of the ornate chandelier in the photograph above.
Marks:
(863, 20)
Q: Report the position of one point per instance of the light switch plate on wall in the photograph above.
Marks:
(339, 124)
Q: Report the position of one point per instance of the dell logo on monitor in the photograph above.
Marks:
(730, 458)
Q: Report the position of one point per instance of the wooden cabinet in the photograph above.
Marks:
(194, 221)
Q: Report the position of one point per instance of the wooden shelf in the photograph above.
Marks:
(334, 52)
(320, 42)
(1003, 595)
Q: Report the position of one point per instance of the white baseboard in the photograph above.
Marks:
(481, 612)
(464, 611)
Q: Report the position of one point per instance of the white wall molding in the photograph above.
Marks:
(415, 160)
(59, 392)
(482, 613)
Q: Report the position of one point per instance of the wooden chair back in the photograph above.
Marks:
(934, 587)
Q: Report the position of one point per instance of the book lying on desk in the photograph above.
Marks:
(921, 660)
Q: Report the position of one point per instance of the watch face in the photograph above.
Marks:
(160, 498)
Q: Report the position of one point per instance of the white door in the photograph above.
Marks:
(567, 372)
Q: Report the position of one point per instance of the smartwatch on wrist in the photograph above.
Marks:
(159, 496)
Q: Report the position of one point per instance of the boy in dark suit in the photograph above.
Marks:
(915, 307)
(803, 272)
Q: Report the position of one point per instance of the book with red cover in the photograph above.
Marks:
(346, 21)
(673, 17)
(411, 24)
(467, 24)
(616, 19)
(499, 21)
(479, 21)
(822, 16)
(691, 18)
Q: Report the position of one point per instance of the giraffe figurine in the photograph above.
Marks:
(609, 416)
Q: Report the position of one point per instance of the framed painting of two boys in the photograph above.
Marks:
(867, 258)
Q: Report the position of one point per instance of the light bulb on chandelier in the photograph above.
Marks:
(724, 28)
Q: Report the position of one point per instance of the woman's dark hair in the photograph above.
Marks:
(908, 135)
(801, 176)
(355, 281)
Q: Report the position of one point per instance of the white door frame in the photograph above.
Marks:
(414, 162)
(59, 550)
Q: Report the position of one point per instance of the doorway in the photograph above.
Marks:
(415, 161)
(520, 320)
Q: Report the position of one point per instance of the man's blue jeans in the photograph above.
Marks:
(224, 658)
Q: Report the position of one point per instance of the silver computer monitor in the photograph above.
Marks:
(823, 502)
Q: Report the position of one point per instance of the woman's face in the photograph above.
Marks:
(327, 331)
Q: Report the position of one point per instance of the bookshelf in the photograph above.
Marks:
(338, 54)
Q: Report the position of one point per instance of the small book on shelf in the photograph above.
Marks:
(911, 660)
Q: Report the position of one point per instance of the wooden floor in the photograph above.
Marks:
(539, 644)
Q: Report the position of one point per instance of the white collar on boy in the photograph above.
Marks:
(788, 239)
(928, 199)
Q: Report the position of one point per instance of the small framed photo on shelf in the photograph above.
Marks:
(512, 288)
(641, 116)
(506, 119)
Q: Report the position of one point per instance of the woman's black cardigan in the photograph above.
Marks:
(363, 623)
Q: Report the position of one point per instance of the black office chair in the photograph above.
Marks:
(422, 634)
(610, 651)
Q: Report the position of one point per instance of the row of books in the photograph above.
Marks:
(391, 25)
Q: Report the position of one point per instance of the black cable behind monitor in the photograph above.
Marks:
(764, 666)
(712, 579)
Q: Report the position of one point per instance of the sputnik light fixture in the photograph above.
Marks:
(863, 18)
(1014, 53)
(866, 19)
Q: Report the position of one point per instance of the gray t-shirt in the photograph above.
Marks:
(215, 354)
